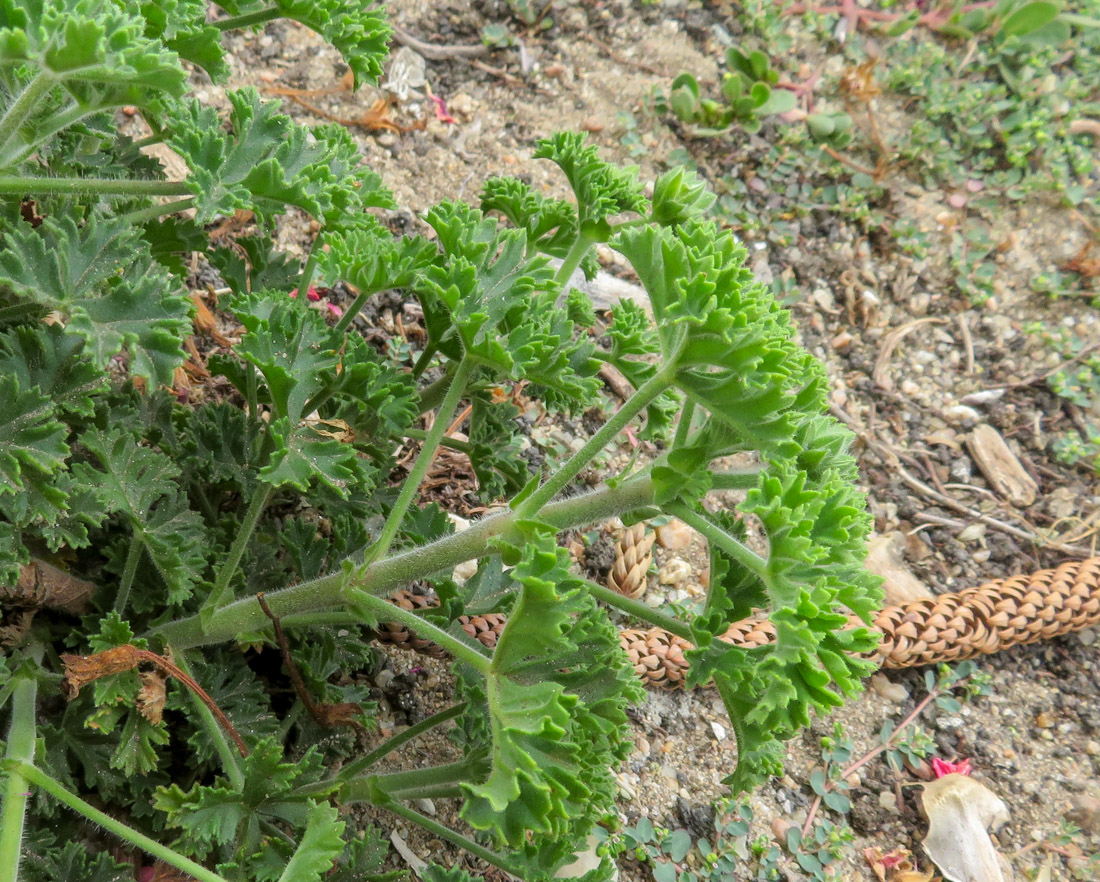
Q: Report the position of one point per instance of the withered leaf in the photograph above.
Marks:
(152, 695)
(80, 670)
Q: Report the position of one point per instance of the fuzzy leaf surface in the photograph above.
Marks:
(102, 278)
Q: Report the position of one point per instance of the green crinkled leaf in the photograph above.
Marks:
(363, 859)
(495, 448)
(234, 688)
(48, 358)
(13, 553)
(32, 442)
(602, 189)
(680, 195)
(181, 24)
(683, 476)
(817, 530)
(489, 300)
(291, 347)
(555, 736)
(436, 873)
(140, 484)
(299, 357)
(303, 455)
(138, 741)
(267, 162)
(100, 53)
(731, 341)
(103, 279)
(219, 446)
(551, 224)
(219, 815)
(321, 844)
(70, 860)
(370, 259)
(358, 30)
(376, 400)
(171, 242)
(254, 265)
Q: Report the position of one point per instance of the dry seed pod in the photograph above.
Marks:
(633, 554)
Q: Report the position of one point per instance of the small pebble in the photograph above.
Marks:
(1087, 637)
(719, 731)
(465, 571)
(891, 691)
(1044, 720)
(1092, 748)
(674, 536)
(888, 801)
(971, 533)
(1085, 813)
(674, 572)
(961, 414)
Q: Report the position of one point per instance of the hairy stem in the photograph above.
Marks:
(410, 784)
(433, 394)
(142, 215)
(249, 19)
(20, 751)
(352, 311)
(44, 129)
(573, 259)
(743, 478)
(352, 770)
(128, 834)
(133, 558)
(733, 546)
(454, 444)
(423, 361)
(457, 839)
(20, 110)
(683, 427)
(423, 461)
(16, 185)
(638, 610)
(214, 731)
(607, 432)
(236, 551)
(327, 594)
(380, 610)
(306, 278)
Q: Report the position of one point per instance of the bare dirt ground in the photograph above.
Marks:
(1035, 739)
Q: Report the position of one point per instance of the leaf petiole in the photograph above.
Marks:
(58, 791)
(733, 546)
(20, 185)
(20, 752)
(218, 597)
(649, 390)
(352, 770)
(423, 460)
(20, 110)
(378, 610)
(133, 558)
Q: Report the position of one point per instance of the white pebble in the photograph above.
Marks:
(674, 572)
(674, 536)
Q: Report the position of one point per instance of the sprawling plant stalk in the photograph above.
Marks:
(20, 752)
(388, 574)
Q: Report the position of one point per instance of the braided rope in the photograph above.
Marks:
(951, 627)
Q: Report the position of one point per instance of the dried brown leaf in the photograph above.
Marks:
(42, 584)
(80, 670)
(152, 695)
